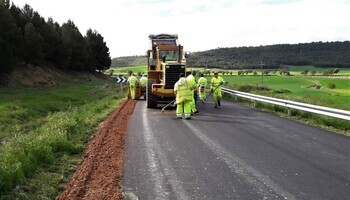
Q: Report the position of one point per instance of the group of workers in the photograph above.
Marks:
(185, 87)
(133, 82)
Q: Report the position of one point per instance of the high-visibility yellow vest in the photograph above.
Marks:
(202, 82)
(216, 82)
(182, 90)
(132, 80)
(143, 81)
(191, 81)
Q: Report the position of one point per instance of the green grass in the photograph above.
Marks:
(302, 89)
(44, 133)
(124, 70)
(23, 108)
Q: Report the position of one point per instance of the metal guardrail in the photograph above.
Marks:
(331, 112)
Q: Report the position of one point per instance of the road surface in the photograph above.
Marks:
(233, 152)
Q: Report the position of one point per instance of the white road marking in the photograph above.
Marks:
(159, 165)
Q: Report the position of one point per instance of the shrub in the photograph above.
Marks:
(251, 87)
(281, 91)
(110, 73)
(331, 86)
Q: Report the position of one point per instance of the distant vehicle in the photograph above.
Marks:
(166, 60)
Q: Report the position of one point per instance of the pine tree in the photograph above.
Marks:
(33, 45)
(53, 41)
(75, 48)
(102, 59)
(10, 38)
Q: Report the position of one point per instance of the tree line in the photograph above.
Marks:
(27, 37)
(318, 54)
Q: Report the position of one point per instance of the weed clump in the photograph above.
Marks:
(331, 86)
(251, 87)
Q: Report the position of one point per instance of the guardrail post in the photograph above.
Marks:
(289, 111)
(234, 97)
(255, 104)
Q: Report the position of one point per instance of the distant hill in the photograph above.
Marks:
(127, 61)
(319, 54)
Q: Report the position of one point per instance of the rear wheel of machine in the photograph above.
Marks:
(150, 97)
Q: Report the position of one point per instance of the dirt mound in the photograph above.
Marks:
(48, 75)
(99, 175)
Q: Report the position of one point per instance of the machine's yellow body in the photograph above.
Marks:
(166, 60)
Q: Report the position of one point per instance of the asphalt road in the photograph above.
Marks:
(233, 152)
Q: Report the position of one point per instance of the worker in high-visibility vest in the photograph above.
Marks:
(202, 84)
(143, 85)
(132, 81)
(193, 85)
(183, 97)
(143, 80)
(215, 86)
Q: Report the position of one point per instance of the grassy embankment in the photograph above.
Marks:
(43, 132)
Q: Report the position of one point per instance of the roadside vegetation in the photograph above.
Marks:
(44, 132)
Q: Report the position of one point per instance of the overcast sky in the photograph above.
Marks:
(202, 24)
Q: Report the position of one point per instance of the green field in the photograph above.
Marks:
(43, 133)
(124, 70)
(302, 89)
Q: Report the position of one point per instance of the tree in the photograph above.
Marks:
(53, 42)
(100, 51)
(33, 45)
(305, 72)
(75, 49)
(10, 38)
(17, 14)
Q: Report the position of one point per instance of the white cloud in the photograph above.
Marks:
(202, 24)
